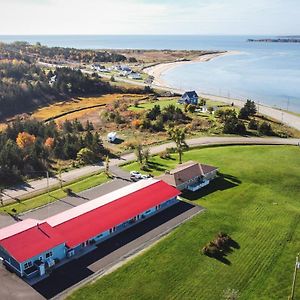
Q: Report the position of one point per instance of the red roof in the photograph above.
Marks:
(31, 242)
(92, 223)
(26, 239)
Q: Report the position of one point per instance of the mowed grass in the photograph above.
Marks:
(256, 201)
(163, 102)
(55, 194)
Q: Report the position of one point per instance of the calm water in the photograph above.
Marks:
(265, 72)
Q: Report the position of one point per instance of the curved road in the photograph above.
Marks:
(38, 185)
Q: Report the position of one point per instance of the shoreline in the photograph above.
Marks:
(158, 70)
(289, 118)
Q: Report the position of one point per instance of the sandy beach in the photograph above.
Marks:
(159, 70)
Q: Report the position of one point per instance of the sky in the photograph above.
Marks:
(272, 17)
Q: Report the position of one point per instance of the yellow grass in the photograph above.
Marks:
(56, 109)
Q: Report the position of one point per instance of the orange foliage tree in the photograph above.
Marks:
(136, 123)
(25, 139)
(49, 143)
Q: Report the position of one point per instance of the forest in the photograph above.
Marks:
(29, 148)
(24, 86)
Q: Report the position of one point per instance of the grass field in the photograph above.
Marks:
(56, 194)
(166, 102)
(256, 201)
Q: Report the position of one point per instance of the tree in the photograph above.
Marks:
(234, 126)
(97, 144)
(139, 153)
(25, 140)
(244, 113)
(107, 166)
(153, 113)
(146, 154)
(85, 156)
(177, 134)
(265, 128)
(248, 110)
(253, 124)
(49, 143)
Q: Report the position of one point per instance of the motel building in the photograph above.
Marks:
(32, 248)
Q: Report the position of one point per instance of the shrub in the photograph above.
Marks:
(253, 124)
(165, 155)
(265, 128)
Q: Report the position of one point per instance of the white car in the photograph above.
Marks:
(136, 175)
(145, 176)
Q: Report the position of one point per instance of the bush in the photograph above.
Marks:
(265, 128)
(253, 124)
(165, 155)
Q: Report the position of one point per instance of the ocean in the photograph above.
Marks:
(268, 73)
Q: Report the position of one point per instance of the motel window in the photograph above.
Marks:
(49, 254)
(27, 265)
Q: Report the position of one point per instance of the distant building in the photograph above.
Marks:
(190, 175)
(126, 69)
(135, 76)
(32, 248)
(112, 136)
(189, 98)
(52, 80)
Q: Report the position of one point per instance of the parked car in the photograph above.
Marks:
(135, 175)
(146, 176)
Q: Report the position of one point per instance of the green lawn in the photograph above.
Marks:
(162, 103)
(256, 201)
(165, 102)
(56, 194)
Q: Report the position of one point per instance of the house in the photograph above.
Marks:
(52, 80)
(190, 175)
(126, 69)
(111, 137)
(32, 248)
(135, 76)
(189, 98)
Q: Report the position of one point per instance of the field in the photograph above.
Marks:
(170, 101)
(256, 201)
(71, 106)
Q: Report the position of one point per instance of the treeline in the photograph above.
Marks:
(28, 148)
(21, 50)
(24, 85)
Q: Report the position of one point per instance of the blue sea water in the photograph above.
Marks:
(265, 72)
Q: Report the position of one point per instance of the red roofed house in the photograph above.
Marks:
(190, 175)
(32, 247)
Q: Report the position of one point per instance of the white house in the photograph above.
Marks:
(112, 136)
(135, 76)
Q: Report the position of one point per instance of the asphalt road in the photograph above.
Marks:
(41, 184)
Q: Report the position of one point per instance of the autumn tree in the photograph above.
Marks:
(25, 139)
(49, 143)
